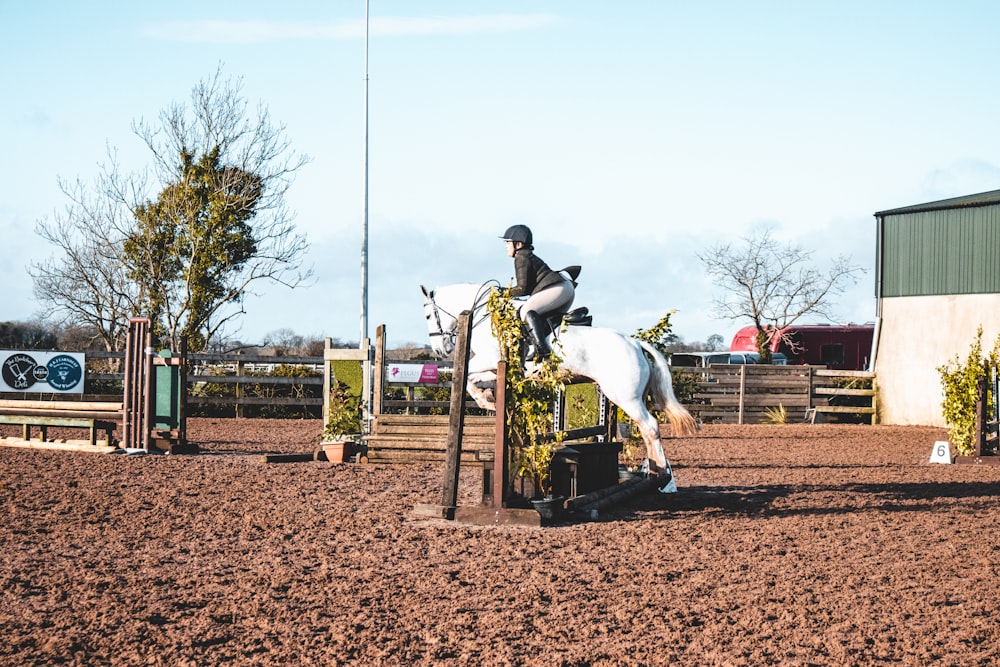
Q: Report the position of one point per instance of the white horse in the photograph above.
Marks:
(626, 369)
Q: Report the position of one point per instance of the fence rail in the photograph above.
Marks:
(732, 394)
(749, 394)
(233, 380)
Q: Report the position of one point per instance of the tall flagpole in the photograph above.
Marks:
(366, 370)
(364, 235)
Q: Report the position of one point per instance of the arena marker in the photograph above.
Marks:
(941, 452)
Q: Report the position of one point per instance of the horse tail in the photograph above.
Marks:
(661, 386)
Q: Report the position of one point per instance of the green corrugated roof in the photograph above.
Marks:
(968, 201)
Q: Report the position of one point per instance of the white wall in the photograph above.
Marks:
(918, 334)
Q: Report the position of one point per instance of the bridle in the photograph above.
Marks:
(449, 336)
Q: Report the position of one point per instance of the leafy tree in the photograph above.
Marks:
(660, 335)
(773, 285)
(188, 256)
(716, 343)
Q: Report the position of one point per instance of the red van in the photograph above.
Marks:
(841, 347)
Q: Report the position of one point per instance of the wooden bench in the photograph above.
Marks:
(92, 415)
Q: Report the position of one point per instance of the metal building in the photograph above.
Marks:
(937, 281)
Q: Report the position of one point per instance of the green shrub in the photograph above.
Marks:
(344, 418)
(960, 382)
(529, 415)
(582, 408)
(349, 372)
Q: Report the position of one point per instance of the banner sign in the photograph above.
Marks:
(419, 373)
(42, 372)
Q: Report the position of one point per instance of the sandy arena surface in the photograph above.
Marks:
(792, 545)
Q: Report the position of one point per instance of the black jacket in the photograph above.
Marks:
(532, 274)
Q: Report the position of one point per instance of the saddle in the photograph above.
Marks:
(578, 317)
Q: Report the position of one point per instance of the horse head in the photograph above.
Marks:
(441, 325)
(442, 306)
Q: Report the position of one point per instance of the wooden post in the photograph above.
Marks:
(743, 391)
(182, 399)
(147, 389)
(981, 412)
(809, 388)
(239, 387)
(501, 460)
(327, 383)
(366, 384)
(378, 372)
(136, 378)
(874, 400)
(456, 420)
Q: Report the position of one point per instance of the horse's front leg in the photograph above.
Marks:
(479, 388)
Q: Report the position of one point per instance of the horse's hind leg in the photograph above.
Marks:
(649, 428)
(656, 460)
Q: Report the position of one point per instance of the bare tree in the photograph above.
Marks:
(87, 284)
(184, 242)
(773, 285)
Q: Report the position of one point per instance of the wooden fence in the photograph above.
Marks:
(231, 380)
(732, 394)
(753, 394)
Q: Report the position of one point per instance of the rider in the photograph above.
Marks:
(547, 290)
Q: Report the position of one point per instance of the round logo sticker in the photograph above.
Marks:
(63, 372)
(18, 371)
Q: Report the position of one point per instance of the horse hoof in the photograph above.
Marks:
(669, 487)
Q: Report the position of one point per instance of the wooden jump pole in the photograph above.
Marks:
(134, 383)
(501, 458)
(456, 421)
(456, 416)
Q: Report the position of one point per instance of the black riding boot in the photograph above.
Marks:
(537, 331)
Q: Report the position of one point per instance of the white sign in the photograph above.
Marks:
(416, 373)
(941, 452)
(41, 372)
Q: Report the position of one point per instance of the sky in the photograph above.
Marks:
(629, 136)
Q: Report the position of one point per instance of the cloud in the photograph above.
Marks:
(256, 32)
(35, 117)
(962, 177)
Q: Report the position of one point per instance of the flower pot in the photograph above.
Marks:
(549, 509)
(337, 452)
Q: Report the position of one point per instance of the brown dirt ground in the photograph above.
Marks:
(797, 544)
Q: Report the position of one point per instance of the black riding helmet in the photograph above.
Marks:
(518, 234)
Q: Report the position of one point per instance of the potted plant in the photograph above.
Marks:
(343, 424)
(535, 464)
